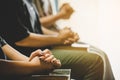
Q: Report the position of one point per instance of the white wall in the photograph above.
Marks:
(109, 24)
(98, 23)
(84, 20)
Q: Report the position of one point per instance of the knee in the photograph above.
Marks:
(99, 61)
(97, 68)
(95, 59)
(96, 62)
(98, 65)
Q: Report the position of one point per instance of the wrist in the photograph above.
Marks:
(37, 64)
(60, 39)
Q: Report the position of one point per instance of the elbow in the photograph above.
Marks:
(20, 43)
(23, 42)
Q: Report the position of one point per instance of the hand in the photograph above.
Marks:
(66, 11)
(39, 66)
(35, 60)
(46, 57)
(35, 53)
(49, 58)
(69, 41)
(68, 36)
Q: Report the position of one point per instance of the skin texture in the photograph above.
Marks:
(65, 12)
(63, 37)
(23, 65)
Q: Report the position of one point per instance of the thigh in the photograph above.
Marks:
(73, 56)
(81, 62)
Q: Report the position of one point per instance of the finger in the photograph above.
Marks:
(57, 63)
(66, 42)
(48, 59)
(71, 9)
(35, 53)
(71, 34)
(67, 28)
(68, 31)
(42, 58)
(47, 51)
(64, 5)
(47, 55)
(71, 40)
(53, 60)
(76, 37)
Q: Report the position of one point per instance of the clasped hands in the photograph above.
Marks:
(66, 11)
(67, 36)
(45, 59)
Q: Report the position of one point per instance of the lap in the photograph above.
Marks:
(75, 56)
(81, 62)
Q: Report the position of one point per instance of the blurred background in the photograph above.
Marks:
(98, 23)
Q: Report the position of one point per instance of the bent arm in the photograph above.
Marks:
(38, 40)
(65, 12)
(35, 66)
(15, 67)
(64, 37)
(48, 31)
(48, 20)
(20, 65)
(13, 54)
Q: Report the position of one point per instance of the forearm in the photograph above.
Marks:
(13, 54)
(48, 31)
(12, 68)
(65, 12)
(15, 67)
(48, 20)
(37, 40)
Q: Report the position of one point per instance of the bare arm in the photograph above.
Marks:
(65, 36)
(64, 13)
(13, 54)
(38, 40)
(48, 20)
(48, 31)
(8, 67)
(20, 65)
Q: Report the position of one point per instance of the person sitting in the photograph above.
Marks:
(21, 65)
(46, 16)
(25, 35)
(48, 20)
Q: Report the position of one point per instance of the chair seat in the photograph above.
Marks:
(57, 74)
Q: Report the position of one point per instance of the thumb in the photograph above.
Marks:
(35, 53)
